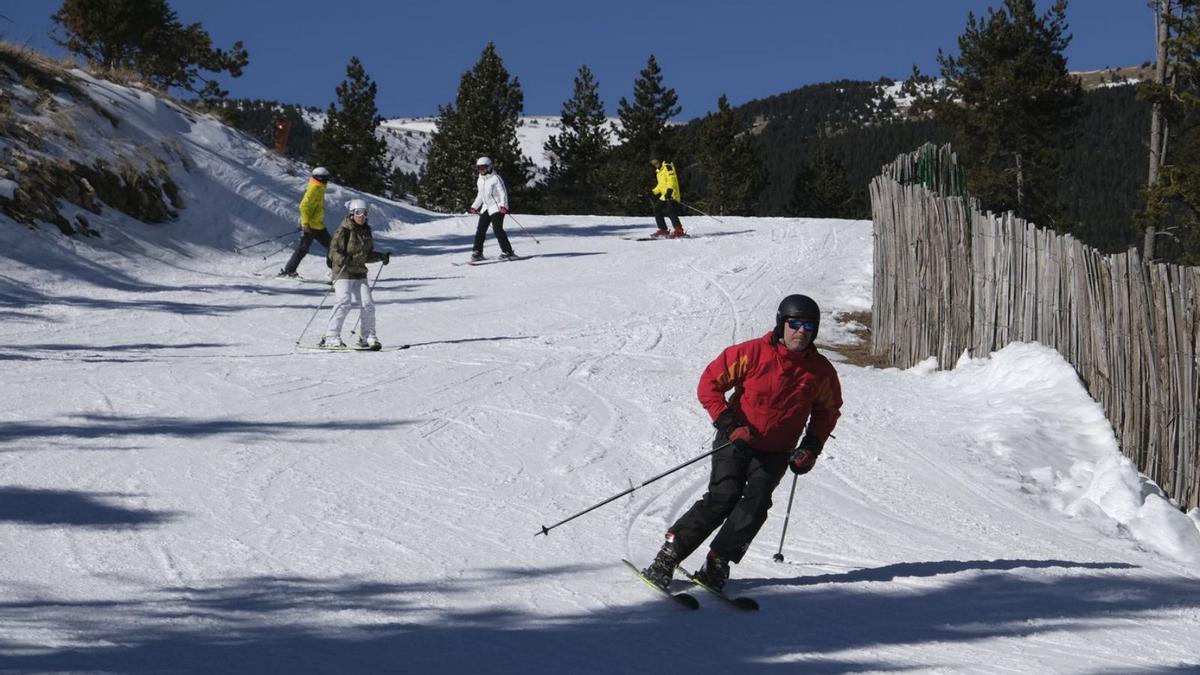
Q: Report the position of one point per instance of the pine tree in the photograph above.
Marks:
(1012, 102)
(573, 184)
(821, 189)
(734, 174)
(482, 121)
(628, 174)
(257, 118)
(348, 144)
(145, 36)
(1171, 212)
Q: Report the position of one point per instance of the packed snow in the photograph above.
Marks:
(184, 490)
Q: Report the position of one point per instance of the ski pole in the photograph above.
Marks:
(701, 212)
(318, 309)
(546, 530)
(779, 555)
(369, 286)
(277, 251)
(523, 229)
(239, 249)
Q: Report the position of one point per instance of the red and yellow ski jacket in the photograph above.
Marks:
(776, 393)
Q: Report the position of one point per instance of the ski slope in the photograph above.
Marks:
(183, 490)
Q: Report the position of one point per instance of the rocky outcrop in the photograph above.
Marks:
(40, 108)
(150, 196)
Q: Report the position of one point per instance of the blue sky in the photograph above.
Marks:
(417, 51)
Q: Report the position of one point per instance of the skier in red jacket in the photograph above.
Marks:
(782, 388)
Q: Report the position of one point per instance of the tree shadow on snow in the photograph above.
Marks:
(103, 353)
(79, 509)
(706, 234)
(338, 624)
(13, 317)
(569, 254)
(460, 242)
(136, 346)
(925, 569)
(92, 426)
(475, 339)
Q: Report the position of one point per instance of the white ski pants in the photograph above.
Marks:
(347, 292)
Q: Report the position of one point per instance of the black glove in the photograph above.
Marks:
(329, 262)
(670, 191)
(726, 422)
(804, 457)
(385, 257)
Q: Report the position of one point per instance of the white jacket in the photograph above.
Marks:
(492, 194)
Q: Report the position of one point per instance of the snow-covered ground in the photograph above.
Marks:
(183, 490)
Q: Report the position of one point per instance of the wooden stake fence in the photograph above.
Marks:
(951, 278)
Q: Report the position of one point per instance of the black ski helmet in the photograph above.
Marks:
(796, 307)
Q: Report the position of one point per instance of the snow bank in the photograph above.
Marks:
(1039, 422)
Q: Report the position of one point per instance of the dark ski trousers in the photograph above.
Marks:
(496, 220)
(666, 209)
(739, 496)
(306, 240)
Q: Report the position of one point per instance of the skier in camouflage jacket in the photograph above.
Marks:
(351, 249)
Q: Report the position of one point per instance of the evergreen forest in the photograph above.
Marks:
(1112, 163)
(821, 127)
(1103, 169)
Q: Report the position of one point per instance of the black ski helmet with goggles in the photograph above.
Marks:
(799, 307)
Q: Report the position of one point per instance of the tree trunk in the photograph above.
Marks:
(1021, 187)
(1158, 127)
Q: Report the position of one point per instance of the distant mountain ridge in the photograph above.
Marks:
(863, 104)
(866, 125)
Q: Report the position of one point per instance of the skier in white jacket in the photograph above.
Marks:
(491, 203)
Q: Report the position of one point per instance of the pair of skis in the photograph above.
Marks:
(297, 279)
(650, 238)
(489, 261)
(352, 348)
(688, 601)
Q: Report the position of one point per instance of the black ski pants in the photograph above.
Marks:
(306, 240)
(664, 209)
(496, 221)
(737, 501)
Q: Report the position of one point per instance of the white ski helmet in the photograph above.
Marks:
(320, 173)
(356, 205)
(483, 161)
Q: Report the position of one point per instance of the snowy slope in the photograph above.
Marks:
(184, 491)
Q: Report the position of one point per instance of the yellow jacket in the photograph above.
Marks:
(312, 206)
(667, 180)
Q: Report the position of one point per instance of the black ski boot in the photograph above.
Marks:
(715, 572)
(662, 570)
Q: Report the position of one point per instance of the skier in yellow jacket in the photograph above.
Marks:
(665, 196)
(312, 220)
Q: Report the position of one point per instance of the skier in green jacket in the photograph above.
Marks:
(352, 248)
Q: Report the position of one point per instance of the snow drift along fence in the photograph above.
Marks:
(951, 278)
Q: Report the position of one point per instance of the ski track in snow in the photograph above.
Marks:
(185, 491)
(470, 447)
